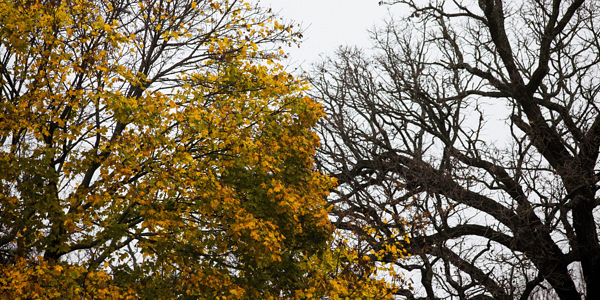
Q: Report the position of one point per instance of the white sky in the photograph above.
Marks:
(329, 24)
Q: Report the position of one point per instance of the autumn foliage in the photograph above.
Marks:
(157, 149)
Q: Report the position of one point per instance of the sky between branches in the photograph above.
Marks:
(329, 24)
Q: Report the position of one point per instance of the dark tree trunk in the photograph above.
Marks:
(475, 131)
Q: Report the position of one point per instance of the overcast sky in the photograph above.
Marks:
(330, 23)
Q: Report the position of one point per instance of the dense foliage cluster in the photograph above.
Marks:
(157, 149)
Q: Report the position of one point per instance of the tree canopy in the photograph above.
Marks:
(473, 128)
(157, 149)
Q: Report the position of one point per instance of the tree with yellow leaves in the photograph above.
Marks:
(157, 149)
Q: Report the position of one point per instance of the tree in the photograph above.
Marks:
(155, 149)
(476, 131)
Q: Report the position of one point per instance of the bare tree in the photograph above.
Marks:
(474, 129)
